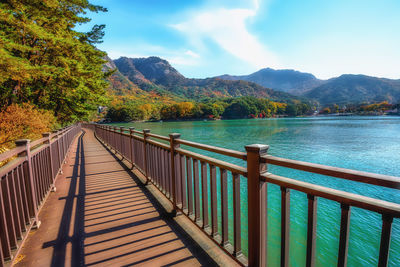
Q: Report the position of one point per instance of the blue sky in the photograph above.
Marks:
(208, 38)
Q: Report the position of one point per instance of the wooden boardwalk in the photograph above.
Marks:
(102, 215)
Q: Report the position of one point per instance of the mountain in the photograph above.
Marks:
(289, 81)
(346, 89)
(154, 72)
(356, 89)
(119, 84)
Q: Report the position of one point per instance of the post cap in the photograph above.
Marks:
(174, 135)
(257, 148)
(54, 131)
(121, 127)
(46, 134)
(22, 142)
(131, 128)
(146, 131)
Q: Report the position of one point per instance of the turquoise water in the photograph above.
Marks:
(361, 143)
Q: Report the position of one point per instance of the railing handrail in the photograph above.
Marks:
(218, 163)
(347, 174)
(15, 151)
(351, 199)
(215, 149)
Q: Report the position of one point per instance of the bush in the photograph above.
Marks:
(24, 121)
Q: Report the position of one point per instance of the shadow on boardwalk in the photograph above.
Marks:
(107, 217)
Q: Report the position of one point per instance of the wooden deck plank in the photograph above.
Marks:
(102, 216)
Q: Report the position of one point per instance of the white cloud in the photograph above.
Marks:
(178, 57)
(192, 54)
(227, 28)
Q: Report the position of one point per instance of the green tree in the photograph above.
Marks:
(46, 61)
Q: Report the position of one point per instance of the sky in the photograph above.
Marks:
(204, 38)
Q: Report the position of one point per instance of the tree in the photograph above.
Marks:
(291, 110)
(45, 61)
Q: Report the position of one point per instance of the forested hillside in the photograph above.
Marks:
(48, 67)
(166, 94)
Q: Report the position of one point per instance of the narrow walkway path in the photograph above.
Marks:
(102, 215)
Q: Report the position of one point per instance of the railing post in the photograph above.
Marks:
(48, 142)
(146, 168)
(257, 205)
(173, 145)
(131, 132)
(31, 183)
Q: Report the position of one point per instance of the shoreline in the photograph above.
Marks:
(280, 117)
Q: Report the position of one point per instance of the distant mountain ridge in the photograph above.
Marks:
(157, 72)
(350, 89)
(154, 72)
(345, 89)
(290, 81)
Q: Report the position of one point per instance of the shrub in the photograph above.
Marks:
(24, 121)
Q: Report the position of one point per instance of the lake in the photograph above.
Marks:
(362, 143)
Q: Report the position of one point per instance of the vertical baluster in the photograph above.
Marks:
(4, 236)
(387, 221)
(120, 141)
(224, 206)
(19, 198)
(173, 145)
(8, 212)
(40, 175)
(189, 184)
(150, 159)
(58, 151)
(167, 173)
(36, 178)
(204, 194)
(311, 230)
(1, 255)
(178, 180)
(50, 157)
(24, 194)
(156, 165)
(162, 170)
(344, 234)
(14, 204)
(159, 168)
(257, 205)
(285, 225)
(46, 168)
(196, 182)
(183, 182)
(214, 201)
(237, 236)
(145, 156)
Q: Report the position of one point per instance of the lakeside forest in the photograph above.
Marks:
(52, 75)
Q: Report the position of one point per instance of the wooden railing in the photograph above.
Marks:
(184, 176)
(25, 184)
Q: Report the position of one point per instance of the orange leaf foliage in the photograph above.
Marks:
(23, 121)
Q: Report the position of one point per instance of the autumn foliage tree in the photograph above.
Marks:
(44, 60)
(23, 121)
